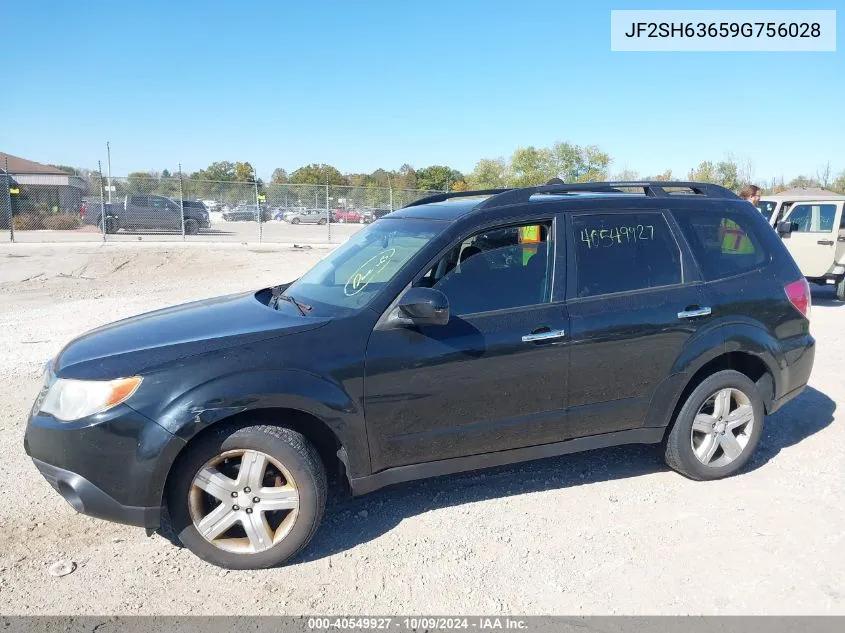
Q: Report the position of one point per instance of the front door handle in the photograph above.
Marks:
(691, 314)
(825, 242)
(545, 335)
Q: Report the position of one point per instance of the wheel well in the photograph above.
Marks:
(311, 427)
(747, 364)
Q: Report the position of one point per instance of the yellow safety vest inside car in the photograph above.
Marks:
(529, 235)
(734, 239)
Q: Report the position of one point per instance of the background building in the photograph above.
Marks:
(41, 188)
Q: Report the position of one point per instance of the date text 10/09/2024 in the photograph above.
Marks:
(418, 623)
(724, 29)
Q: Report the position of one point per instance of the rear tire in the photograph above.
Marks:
(840, 289)
(192, 227)
(292, 472)
(295, 221)
(321, 221)
(701, 455)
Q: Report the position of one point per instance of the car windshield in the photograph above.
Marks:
(767, 207)
(351, 276)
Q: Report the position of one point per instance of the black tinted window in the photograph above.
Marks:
(624, 251)
(496, 270)
(138, 201)
(724, 243)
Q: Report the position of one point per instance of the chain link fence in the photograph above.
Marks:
(174, 209)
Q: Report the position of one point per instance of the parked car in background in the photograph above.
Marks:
(211, 205)
(814, 234)
(343, 216)
(247, 213)
(371, 214)
(280, 214)
(307, 216)
(91, 213)
(148, 212)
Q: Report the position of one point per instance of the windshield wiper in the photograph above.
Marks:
(277, 294)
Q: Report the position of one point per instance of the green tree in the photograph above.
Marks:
(531, 166)
(727, 174)
(317, 174)
(838, 185)
(244, 172)
(279, 177)
(65, 168)
(627, 175)
(406, 178)
(165, 173)
(437, 177)
(705, 172)
(802, 182)
(142, 182)
(220, 171)
(489, 173)
(573, 163)
(665, 176)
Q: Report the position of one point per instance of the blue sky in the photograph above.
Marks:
(373, 84)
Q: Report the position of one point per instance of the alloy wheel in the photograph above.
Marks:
(243, 501)
(722, 427)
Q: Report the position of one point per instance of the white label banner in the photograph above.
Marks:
(723, 30)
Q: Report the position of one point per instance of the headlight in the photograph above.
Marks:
(70, 400)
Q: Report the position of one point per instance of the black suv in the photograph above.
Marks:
(463, 331)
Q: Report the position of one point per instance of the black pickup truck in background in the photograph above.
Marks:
(147, 212)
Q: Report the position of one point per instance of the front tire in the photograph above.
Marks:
(192, 227)
(718, 427)
(247, 498)
(840, 289)
(322, 221)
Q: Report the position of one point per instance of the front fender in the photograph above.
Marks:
(222, 397)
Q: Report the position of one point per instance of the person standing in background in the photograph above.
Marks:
(750, 193)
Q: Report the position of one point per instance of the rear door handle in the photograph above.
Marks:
(691, 314)
(547, 335)
(825, 242)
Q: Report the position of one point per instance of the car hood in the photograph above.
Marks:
(136, 344)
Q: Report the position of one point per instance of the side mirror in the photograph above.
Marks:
(424, 306)
(784, 227)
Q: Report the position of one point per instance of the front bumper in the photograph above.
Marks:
(112, 465)
(86, 498)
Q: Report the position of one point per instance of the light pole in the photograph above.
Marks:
(108, 156)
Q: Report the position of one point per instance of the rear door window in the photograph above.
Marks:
(621, 252)
(725, 243)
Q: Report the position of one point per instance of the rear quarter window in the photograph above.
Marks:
(725, 243)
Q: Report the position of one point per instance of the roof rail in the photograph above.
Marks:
(651, 188)
(440, 197)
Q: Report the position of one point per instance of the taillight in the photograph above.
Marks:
(798, 293)
(82, 212)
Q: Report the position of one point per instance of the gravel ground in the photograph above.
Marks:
(612, 531)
